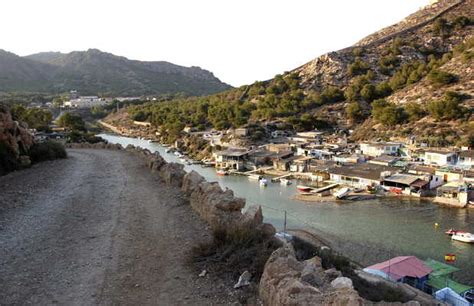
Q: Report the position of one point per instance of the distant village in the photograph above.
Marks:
(402, 168)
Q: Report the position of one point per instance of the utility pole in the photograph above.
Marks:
(284, 224)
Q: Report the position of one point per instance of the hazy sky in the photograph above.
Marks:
(240, 41)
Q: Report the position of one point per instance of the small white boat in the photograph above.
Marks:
(221, 172)
(254, 177)
(285, 182)
(168, 150)
(183, 160)
(463, 237)
(263, 182)
(341, 193)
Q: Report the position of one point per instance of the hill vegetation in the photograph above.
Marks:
(428, 54)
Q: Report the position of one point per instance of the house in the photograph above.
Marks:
(307, 137)
(279, 147)
(440, 158)
(404, 269)
(384, 160)
(428, 174)
(466, 159)
(449, 174)
(375, 149)
(300, 164)
(231, 158)
(406, 183)
(283, 160)
(454, 194)
(259, 157)
(85, 102)
(360, 175)
(241, 132)
(348, 158)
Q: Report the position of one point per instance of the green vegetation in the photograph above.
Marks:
(414, 111)
(439, 77)
(387, 113)
(355, 112)
(36, 118)
(448, 108)
(358, 67)
(48, 150)
(77, 131)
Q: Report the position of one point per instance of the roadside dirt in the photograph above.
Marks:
(99, 228)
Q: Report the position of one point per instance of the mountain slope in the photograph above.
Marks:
(93, 71)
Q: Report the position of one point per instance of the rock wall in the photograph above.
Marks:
(15, 141)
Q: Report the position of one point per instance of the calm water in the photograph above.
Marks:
(368, 231)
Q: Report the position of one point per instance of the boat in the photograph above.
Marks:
(304, 188)
(221, 172)
(168, 150)
(463, 237)
(451, 232)
(263, 182)
(254, 177)
(285, 182)
(183, 160)
(341, 193)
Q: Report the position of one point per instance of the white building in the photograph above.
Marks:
(375, 149)
(85, 102)
(440, 158)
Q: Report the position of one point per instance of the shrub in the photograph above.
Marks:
(8, 161)
(48, 150)
(387, 113)
(439, 77)
(358, 67)
(354, 111)
(235, 250)
(448, 108)
(414, 111)
(332, 94)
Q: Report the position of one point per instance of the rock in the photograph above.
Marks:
(267, 230)
(332, 274)
(342, 282)
(244, 280)
(173, 174)
(253, 216)
(191, 182)
(203, 273)
(24, 161)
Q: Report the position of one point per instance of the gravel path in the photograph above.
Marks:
(99, 228)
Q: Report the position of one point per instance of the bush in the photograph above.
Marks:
(358, 67)
(235, 250)
(354, 112)
(414, 111)
(332, 94)
(48, 150)
(448, 108)
(387, 113)
(8, 161)
(439, 77)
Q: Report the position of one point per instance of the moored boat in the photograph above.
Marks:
(221, 172)
(254, 177)
(304, 188)
(451, 232)
(263, 182)
(285, 182)
(341, 193)
(463, 237)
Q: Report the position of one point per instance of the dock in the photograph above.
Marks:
(247, 173)
(322, 189)
(277, 179)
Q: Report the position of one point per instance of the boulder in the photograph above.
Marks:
(244, 280)
(342, 282)
(253, 216)
(191, 182)
(332, 274)
(173, 174)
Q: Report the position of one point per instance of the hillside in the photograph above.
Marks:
(426, 59)
(94, 71)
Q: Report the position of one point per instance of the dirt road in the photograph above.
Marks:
(99, 228)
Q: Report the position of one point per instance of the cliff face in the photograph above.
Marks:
(15, 141)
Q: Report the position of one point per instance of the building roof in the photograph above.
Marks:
(443, 282)
(423, 169)
(381, 144)
(402, 266)
(366, 171)
(233, 152)
(442, 152)
(401, 178)
(385, 158)
(440, 268)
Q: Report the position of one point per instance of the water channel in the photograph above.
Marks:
(367, 231)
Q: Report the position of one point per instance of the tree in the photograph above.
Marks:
(358, 67)
(368, 92)
(414, 111)
(387, 113)
(354, 111)
(71, 121)
(448, 108)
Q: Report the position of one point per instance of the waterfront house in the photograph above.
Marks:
(375, 149)
(260, 157)
(439, 158)
(450, 174)
(428, 174)
(441, 277)
(406, 183)
(466, 159)
(454, 194)
(282, 161)
(404, 269)
(300, 164)
(231, 158)
(360, 175)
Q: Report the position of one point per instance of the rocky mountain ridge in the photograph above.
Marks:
(94, 71)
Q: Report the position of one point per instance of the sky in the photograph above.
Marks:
(240, 41)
